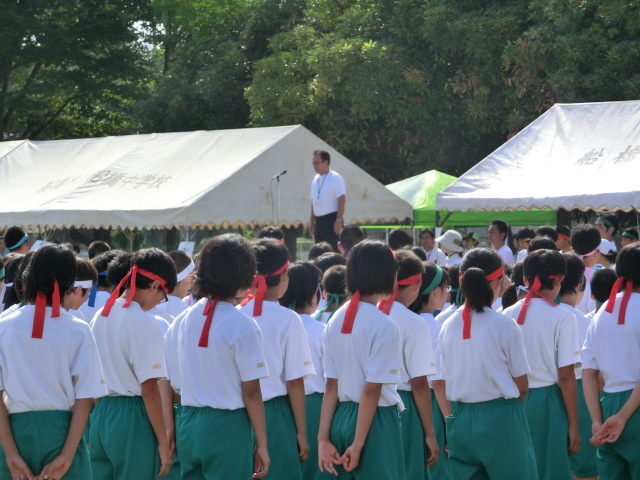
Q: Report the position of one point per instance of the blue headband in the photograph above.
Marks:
(22, 240)
(94, 291)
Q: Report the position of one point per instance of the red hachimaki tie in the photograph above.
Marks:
(534, 291)
(385, 305)
(628, 289)
(260, 284)
(132, 274)
(209, 308)
(466, 311)
(350, 314)
(41, 307)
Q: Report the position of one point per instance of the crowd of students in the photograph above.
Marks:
(450, 360)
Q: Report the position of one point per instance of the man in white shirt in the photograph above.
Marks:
(328, 194)
(497, 234)
(428, 243)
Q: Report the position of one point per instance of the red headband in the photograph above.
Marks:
(466, 312)
(260, 284)
(566, 237)
(385, 305)
(133, 273)
(209, 308)
(350, 314)
(628, 288)
(41, 305)
(533, 290)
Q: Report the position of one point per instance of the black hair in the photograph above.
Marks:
(271, 232)
(97, 247)
(585, 238)
(101, 262)
(563, 230)
(50, 263)
(12, 294)
(428, 231)
(628, 263)
(601, 284)
(525, 232)
(227, 264)
(509, 296)
(612, 218)
(546, 231)
(631, 232)
(328, 260)
(334, 280)
(474, 268)
(303, 286)
(371, 268)
(12, 236)
(419, 252)
(181, 260)
(86, 271)
(270, 256)
(350, 235)
(408, 265)
(324, 155)
(320, 249)
(155, 261)
(517, 274)
(429, 274)
(502, 227)
(118, 268)
(541, 243)
(399, 238)
(454, 283)
(573, 279)
(543, 264)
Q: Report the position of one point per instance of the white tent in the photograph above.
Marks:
(577, 156)
(192, 179)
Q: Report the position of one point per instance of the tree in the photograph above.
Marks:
(69, 67)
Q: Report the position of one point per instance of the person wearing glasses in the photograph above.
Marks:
(328, 198)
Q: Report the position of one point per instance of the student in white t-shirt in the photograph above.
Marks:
(602, 281)
(360, 434)
(583, 463)
(612, 349)
(428, 242)
(433, 294)
(100, 292)
(564, 239)
(50, 372)
(286, 350)
(184, 268)
(450, 242)
(334, 292)
(456, 299)
(220, 361)
(130, 343)
(553, 351)
(418, 438)
(497, 236)
(521, 240)
(302, 297)
(585, 240)
(484, 366)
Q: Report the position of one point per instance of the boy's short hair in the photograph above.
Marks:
(610, 220)
(101, 262)
(318, 249)
(573, 279)
(181, 259)
(525, 232)
(419, 252)
(546, 231)
(328, 260)
(350, 235)
(118, 268)
(541, 243)
(399, 238)
(86, 271)
(408, 264)
(585, 239)
(155, 261)
(601, 284)
(12, 237)
(563, 230)
(371, 268)
(227, 264)
(543, 264)
(632, 233)
(324, 155)
(428, 231)
(97, 247)
(271, 255)
(502, 226)
(334, 280)
(271, 232)
(50, 263)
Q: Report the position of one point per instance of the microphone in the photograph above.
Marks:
(283, 172)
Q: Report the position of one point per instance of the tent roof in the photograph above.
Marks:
(206, 178)
(421, 190)
(574, 156)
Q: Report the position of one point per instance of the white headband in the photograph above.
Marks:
(185, 273)
(83, 284)
(521, 288)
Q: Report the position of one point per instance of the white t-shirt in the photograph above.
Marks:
(163, 319)
(584, 323)
(370, 353)
(212, 376)
(286, 347)
(315, 334)
(434, 333)
(130, 345)
(506, 254)
(454, 259)
(10, 310)
(90, 312)
(436, 256)
(415, 345)
(51, 372)
(171, 352)
(325, 191)
(173, 306)
(446, 313)
(551, 339)
(522, 254)
(614, 349)
(482, 367)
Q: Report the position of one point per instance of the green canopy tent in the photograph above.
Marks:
(421, 190)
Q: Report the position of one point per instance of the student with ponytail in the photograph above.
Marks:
(50, 372)
(553, 350)
(612, 349)
(484, 366)
(433, 294)
(360, 435)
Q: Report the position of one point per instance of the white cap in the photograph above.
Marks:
(607, 246)
(451, 240)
